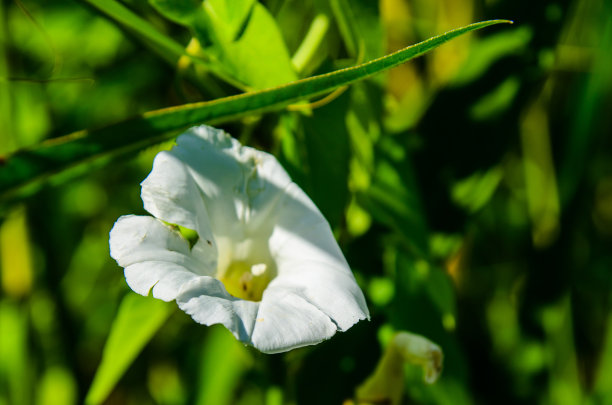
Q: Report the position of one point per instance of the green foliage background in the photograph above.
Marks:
(470, 190)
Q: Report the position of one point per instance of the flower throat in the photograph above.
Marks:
(245, 280)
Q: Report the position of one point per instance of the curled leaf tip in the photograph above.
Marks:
(386, 384)
(418, 350)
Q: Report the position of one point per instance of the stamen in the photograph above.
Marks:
(259, 269)
(246, 281)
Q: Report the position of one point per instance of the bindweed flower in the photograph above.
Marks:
(261, 258)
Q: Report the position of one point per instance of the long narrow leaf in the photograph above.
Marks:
(29, 166)
(138, 320)
(117, 11)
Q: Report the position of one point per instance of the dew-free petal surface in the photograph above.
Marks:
(154, 256)
(208, 303)
(246, 210)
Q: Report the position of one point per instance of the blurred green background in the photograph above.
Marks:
(470, 190)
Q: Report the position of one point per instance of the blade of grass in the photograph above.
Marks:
(30, 166)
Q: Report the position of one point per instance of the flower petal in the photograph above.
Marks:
(235, 184)
(287, 321)
(209, 303)
(310, 263)
(154, 256)
(281, 322)
(170, 193)
(330, 290)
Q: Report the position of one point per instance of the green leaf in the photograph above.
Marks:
(346, 25)
(166, 46)
(364, 19)
(293, 19)
(489, 50)
(239, 38)
(137, 321)
(393, 200)
(25, 169)
(327, 144)
(15, 358)
(247, 43)
(183, 12)
(230, 17)
(223, 362)
(473, 192)
(314, 48)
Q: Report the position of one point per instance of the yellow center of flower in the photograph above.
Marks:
(246, 281)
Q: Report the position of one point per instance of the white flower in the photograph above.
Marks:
(265, 263)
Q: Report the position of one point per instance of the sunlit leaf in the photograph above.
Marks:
(496, 101)
(180, 11)
(57, 387)
(315, 45)
(15, 359)
(248, 43)
(240, 38)
(231, 16)
(136, 323)
(474, 192)
(223, 362)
